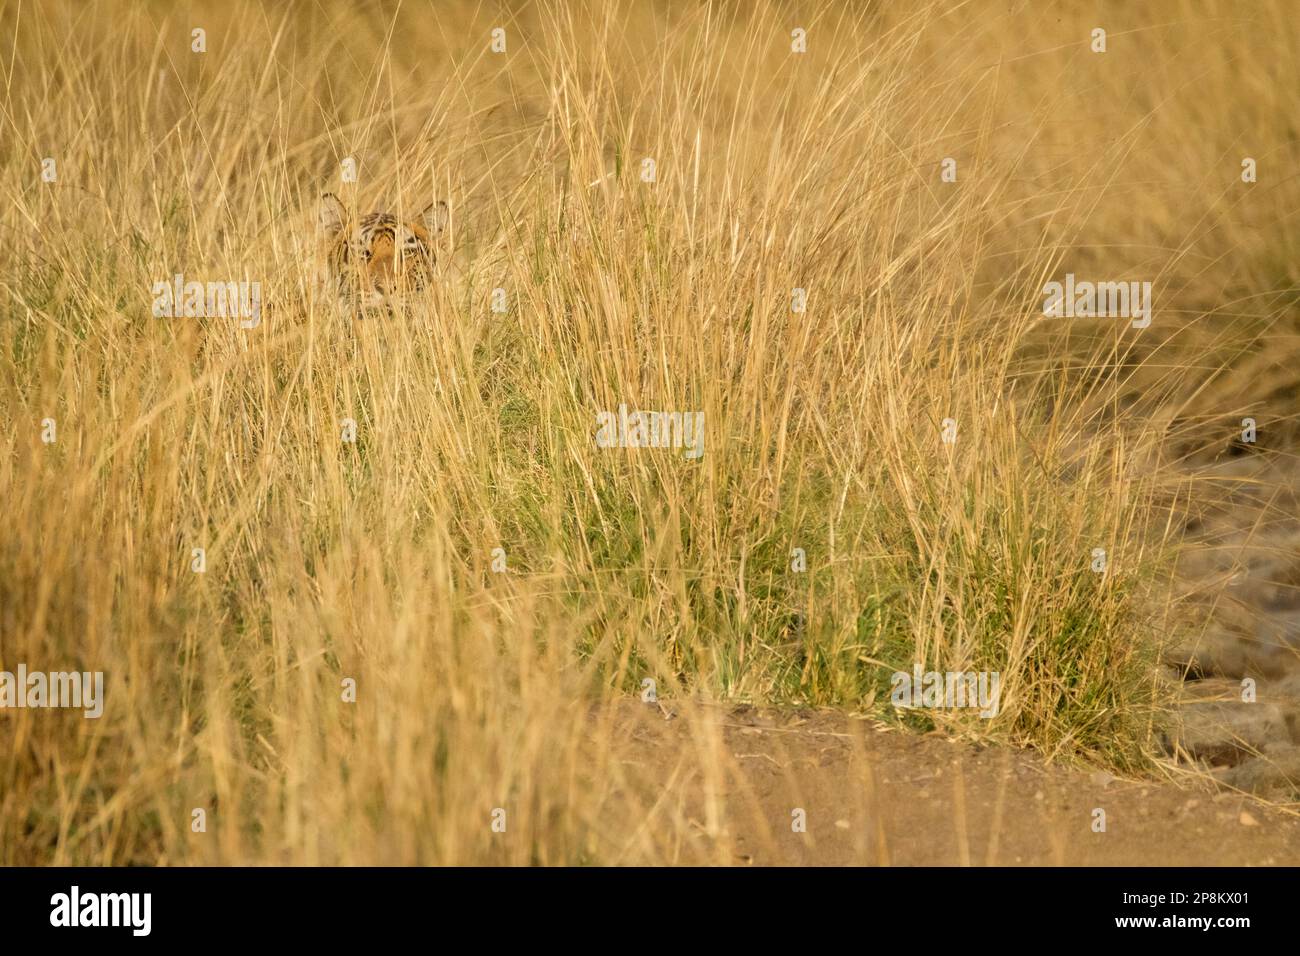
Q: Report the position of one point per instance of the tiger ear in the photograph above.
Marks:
(330, 215)
(435, 217)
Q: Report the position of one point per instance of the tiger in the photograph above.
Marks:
(372, 263)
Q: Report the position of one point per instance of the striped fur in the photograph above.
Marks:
(373, 262)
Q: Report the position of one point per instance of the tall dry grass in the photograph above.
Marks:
(372, 561)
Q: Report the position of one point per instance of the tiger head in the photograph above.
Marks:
(373, 261)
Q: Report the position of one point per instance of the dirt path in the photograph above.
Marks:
(877, 795)
(1248, 539)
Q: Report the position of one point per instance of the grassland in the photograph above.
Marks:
(773, 171)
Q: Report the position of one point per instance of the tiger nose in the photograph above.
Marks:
(383, 277)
